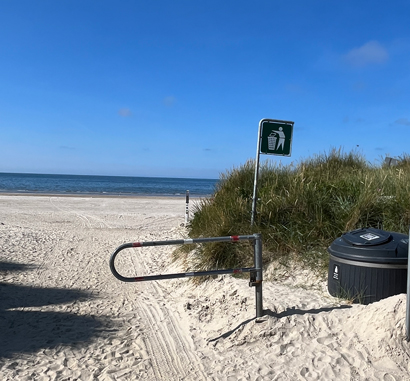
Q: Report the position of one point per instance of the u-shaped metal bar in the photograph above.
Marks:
(178, 242)
(256, 271)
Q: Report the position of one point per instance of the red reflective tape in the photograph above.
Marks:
(139, 278)
(137, 244)
(236, 271)
(234, 238)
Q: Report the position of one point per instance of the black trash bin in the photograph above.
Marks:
(367, 265)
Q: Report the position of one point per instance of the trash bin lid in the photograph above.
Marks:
(371, 245)
(367, 237)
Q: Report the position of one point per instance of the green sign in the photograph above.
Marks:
(276, 138)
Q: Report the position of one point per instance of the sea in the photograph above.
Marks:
(21, 183)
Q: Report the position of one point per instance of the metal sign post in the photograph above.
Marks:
(274, 138)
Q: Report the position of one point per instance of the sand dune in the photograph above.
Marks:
(64, 316)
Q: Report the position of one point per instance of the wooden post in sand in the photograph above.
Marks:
(186, 207)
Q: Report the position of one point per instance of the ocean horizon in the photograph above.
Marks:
(33, 183)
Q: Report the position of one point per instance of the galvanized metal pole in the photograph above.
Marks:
(408, 294)
(258, 265)
(255, 181)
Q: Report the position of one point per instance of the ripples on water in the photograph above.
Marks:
(104, 185)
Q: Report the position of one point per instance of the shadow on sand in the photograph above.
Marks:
(287, 312)
(24, 331)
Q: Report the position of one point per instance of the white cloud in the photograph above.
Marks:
(293, 88)
(403, 121)
(359, 86)
(169, 101)
(124, 112)
(370, 53)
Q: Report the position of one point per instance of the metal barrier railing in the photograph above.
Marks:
(255, 272)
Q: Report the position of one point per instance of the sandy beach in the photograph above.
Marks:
(63, 315)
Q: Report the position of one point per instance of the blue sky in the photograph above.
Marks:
(177, 88)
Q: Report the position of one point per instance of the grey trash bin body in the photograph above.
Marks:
(367, 265)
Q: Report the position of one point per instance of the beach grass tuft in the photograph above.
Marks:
(301, 208)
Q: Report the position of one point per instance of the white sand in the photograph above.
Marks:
(63, 316)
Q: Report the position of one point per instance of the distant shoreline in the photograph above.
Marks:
(104, 186)
(98, 195)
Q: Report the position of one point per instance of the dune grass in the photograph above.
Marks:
(301, 209)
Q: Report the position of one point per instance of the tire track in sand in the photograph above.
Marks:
(87, 220)
(171, 350)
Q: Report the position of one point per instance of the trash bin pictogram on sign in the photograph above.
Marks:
(272, 141)
(276, 138)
